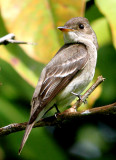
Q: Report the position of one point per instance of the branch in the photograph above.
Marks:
(99, 80)
(10, 38)
(69, 114)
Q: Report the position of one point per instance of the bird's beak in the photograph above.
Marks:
(65, 29)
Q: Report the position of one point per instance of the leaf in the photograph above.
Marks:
(39, 22)
(92, 13)
(24, 66)
(100, 25)
(107, 66)
(6, 111)
(101, 28)
(108, 9)
(13, 85)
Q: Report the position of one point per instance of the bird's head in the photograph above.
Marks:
(76, 29)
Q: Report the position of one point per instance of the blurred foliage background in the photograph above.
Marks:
(21, 65)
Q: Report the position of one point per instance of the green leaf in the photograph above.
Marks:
(108, 9)
(13, 86)
(107, 67)
(10, 112)
(99, 25)
(28, 68)
(101, 28)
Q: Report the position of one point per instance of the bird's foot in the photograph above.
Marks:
(80, 97)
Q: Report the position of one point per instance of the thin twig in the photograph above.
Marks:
(10, 38)
(69, 114)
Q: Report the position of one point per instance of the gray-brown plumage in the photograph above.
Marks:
(70, 70)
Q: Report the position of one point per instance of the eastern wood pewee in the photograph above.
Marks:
(70, 70)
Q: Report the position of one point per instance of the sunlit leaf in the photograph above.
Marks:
(101, 28)
(21, 63)
(108, 8)
(100, 25)
(39, 22)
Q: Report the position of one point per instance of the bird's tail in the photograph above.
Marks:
(29, 128)
(26, 134)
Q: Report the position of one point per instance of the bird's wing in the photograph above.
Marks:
(57, 74)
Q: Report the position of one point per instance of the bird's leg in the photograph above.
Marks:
(80, 97)
(57, 110)
(48, 110)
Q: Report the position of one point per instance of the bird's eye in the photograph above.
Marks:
(81, 26)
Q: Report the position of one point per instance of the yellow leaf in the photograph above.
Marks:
(37, 21)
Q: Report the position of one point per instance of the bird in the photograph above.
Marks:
(69, 71)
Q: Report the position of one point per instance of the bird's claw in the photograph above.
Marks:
(80, 97)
